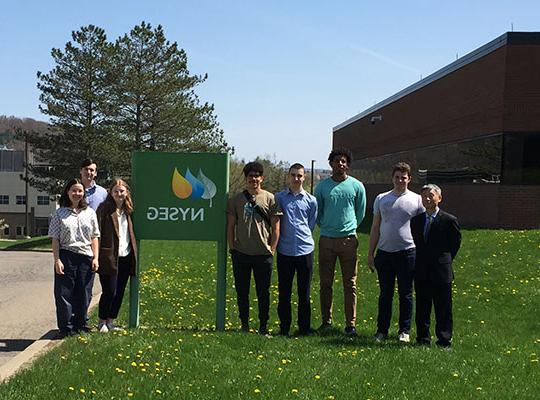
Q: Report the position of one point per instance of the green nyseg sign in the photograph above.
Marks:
(181, 196)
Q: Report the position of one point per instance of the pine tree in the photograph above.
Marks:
(105, 100)
(158, 108)
(75, 96)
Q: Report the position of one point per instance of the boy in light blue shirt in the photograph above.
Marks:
(295, 250)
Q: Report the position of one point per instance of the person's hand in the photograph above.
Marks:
(371, 263)
(58, 267)
(95, 264)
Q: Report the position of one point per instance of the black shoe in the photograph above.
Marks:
(263, 330)
(444, 344)
(283, 332)
(67, 333)
(350, 331)
(305, 332)
(325, 326)
(245, 327)
(82, 330)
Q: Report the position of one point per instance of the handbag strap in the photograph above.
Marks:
(256, 207)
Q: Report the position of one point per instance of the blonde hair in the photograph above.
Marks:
(127, 207)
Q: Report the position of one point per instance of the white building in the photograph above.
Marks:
(13, 199)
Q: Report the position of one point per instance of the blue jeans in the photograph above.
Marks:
(400, 265)
(71, 291)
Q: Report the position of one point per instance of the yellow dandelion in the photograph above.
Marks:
(294, 391)
(257, 391)
(82, 390)
(317, 377)
(71, 388)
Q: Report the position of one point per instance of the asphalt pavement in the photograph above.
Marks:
(27, 311)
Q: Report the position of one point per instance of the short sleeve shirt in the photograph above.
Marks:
(396, 211)
(74, 229)
(252, 233)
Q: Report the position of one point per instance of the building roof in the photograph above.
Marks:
(511, 38)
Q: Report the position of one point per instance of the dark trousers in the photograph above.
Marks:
(113, 288)
(261, 265)
(400, 265)
(71, 291)
(440, 295)
(287, 266)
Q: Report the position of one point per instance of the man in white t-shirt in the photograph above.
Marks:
(396, 252)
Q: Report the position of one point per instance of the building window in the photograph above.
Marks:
(4, 199)
(6, 231)
(21, 231)
(521, 164)
(43, 200)
(11, 160)
(470, 161)
(20, 200)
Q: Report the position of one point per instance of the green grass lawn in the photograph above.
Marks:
(177, 354)
(39, 243)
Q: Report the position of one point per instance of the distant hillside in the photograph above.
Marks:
(8, 125)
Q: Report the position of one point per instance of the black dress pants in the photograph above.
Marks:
(113, 288)
(287, 266)
(440, 295)
(261, 265)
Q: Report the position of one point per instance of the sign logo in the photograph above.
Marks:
(200, 187)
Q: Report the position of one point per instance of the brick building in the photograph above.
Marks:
(472, 127)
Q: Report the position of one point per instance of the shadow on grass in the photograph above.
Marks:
(40, 244)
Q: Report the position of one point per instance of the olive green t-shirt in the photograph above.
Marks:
(252, 233)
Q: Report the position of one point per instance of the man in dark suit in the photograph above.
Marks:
(437, 238)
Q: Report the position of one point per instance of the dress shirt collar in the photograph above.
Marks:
(301, 192)
(434, 213)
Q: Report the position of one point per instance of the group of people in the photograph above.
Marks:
(92, 232)
(412, 241)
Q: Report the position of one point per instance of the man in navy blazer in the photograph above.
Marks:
(437, 238)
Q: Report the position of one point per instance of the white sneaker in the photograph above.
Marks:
(113, 327)
(404, 337)
(102, 328)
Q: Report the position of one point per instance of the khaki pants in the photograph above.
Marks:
(330, 249)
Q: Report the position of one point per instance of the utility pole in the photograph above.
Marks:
(312, 171)
(26, 214)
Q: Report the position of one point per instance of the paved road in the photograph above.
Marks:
(27, 309)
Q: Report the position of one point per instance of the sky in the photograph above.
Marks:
(281, 74)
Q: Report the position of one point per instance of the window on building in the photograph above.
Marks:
(20, 200)
(21, 231)
(43, 200)
(471, 161)
(4, 199)
(521, 165)
(11, 160)
(6, 231)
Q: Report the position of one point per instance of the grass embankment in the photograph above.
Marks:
(39, 243)
(177, 354)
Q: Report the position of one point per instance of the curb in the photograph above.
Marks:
(44, 344)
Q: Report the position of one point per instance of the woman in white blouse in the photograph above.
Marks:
(74, 232)
(117, 250)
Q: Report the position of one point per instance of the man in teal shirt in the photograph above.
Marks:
(341, 202)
